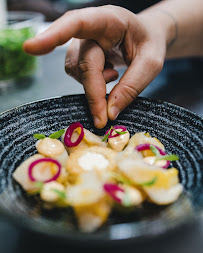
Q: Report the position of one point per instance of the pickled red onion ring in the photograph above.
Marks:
(32, 165)
(69, 132)
(146, 146)
(112, 189)
(115, 127)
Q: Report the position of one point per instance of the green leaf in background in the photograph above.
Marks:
(14, 62)
(154, 150)
(57, 134)
(39, 136)
(168, 157)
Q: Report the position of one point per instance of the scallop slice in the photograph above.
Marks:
(96, 158)
(52, 148)
(51, 191)
(133, 196)
(118, 143)
(88, 140)
(142, 138)
(152, 160)
(87, 190)
(21, 173)
(89, 201)
(140, 173)
(161, 196)
(92, 139)
(93, 216)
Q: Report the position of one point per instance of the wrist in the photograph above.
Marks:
(162, 24)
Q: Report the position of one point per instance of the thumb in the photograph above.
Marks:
(138, 75)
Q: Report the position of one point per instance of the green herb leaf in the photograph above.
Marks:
(39, 136)
(60, 194)
(118, 132)
(38, 185)
(57, 134)
(126, 200)
(121, 179)
(168, 157)
(154, 150)
(107, 135)
(149, 183)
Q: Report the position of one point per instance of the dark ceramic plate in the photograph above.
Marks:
(180, 130)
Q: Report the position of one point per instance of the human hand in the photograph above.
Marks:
(142, 39)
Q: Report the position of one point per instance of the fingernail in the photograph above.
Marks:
(97, 121)
(114, 111)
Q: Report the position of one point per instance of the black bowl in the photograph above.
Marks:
(177, 128)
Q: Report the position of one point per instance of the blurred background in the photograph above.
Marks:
(24, 79)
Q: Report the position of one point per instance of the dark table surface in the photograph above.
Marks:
(180, 82)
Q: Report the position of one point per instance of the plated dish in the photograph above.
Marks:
(178, 129)
(94, 174)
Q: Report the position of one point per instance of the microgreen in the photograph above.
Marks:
(106, 136)
(126, 200)
(120, 132)
(121, 179)
(149, 183)
(167, 157)
(39, 186)
(57, 134)
(154, 150)
(39, 136)
(60, 194)
(54, 135)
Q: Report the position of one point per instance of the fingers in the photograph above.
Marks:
(110, 74)
(72, 62)
(89, 69)
(139, 74)
(84, 23)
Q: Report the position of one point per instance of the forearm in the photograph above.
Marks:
(182, 23)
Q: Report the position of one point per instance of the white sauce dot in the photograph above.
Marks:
(90, 161)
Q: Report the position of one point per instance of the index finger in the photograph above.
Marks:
(86, 23)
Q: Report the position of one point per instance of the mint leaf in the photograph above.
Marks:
(60, 194)
(39, 136)
(57, 134)
(149, 183)
(154, 150)
(168, 157)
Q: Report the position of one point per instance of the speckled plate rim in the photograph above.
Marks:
(32, 225)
